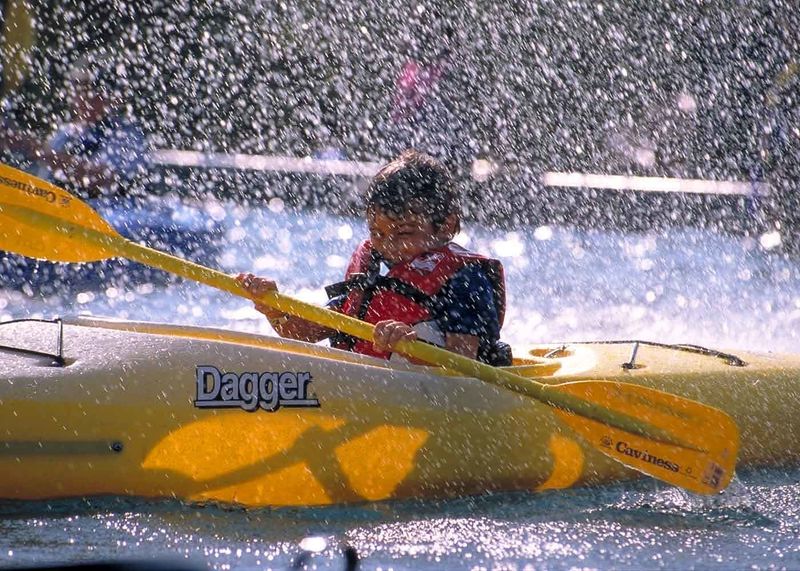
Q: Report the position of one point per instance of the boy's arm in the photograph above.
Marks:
(389, 332)
(284, 325)
(467, 311)
(293, 327)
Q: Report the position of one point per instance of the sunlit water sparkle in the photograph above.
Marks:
(564, 284)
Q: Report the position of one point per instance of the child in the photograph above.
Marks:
(434, 290)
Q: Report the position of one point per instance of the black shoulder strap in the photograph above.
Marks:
(370, 287)
(357, 281)
(406, 290)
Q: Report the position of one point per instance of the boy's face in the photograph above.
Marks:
(403, 238)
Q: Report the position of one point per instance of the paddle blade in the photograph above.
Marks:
(704, 441)
(22, 197)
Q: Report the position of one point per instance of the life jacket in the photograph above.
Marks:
(406, 292)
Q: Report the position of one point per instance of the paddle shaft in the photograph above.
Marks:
(125, 248)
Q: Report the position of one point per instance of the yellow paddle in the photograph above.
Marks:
(671, 438)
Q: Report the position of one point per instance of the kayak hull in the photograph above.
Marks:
(163, 411)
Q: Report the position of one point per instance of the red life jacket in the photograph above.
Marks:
(402, 294)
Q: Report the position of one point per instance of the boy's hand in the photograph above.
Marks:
(388, 333)
(256, 287)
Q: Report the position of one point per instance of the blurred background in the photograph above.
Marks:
(548, 97)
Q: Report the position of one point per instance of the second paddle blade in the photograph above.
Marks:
(23, 198)
(703, 441)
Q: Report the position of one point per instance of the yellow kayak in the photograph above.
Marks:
(91, 406)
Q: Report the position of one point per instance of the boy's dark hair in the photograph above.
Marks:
(414, 182)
